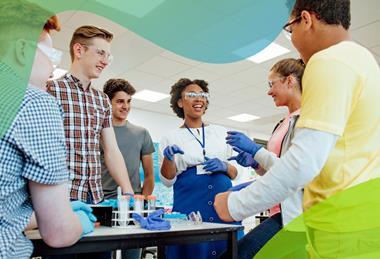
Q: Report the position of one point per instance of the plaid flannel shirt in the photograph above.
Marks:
(86, 113)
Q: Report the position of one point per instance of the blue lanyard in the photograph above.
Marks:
(203, 138)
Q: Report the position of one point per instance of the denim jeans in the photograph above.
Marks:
(253, 241)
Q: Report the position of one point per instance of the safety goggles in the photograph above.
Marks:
(104, 55)
(53, 54)
(195, 95)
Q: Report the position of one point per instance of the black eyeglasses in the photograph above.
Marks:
(287, 26)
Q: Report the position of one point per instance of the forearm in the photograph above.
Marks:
(58, 224)
(301, 163)
(266, 159)
(168, 169)
(118, 171)
(148, 185)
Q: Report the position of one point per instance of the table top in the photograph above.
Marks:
(134, 231)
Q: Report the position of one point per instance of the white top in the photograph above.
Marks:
(300, 164)
(290, 207)
(216, 146)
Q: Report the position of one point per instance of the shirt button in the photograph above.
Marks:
(211, 219)
(213, 253)
(210, 203)
(210, 186)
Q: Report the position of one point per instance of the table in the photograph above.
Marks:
(107, 239)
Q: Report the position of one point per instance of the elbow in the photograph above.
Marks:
(57, 240)
(62, 236)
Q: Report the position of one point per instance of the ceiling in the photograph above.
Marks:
(235, 88)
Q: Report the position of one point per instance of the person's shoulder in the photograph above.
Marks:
(175, 134)
(345, 52)
(100, 93)
(217, 128)
(137, 128)
(35, 96)
(38, 104)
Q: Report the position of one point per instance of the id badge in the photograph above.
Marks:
(200, 170)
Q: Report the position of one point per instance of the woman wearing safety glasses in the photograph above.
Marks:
(194, 161)
(285, 88)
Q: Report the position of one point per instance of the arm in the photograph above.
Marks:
(58, 224)
(147, 164)
(168, 169)
(303, 161)
(114, 160)
(266, 159)
(231, 171)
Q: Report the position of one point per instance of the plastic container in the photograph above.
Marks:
(138, 204)
(123, 204)
(151, 200)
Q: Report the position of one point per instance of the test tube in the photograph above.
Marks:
(123, 203)
(151, 199)
(139, 204)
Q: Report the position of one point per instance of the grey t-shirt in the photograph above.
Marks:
(134, 142)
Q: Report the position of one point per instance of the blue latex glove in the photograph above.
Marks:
(170, 151)
(81, 206)
(240, 186)
(215, 165)
(86, 221)
(241, 141)
(109, 202)
(153, 221)
(244, 159)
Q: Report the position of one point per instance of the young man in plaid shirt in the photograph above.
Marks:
(88, 117)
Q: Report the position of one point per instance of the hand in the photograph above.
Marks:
(221, 206)
(170, 151)
(81, 206)
(86, 222)
(244, 159)
(110, 202)
(215, 165)
(241, 141)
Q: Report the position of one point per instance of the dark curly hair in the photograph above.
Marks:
(179, 87)
(336, 12)
(112, 86)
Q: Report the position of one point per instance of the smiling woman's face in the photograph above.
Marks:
(193, 107)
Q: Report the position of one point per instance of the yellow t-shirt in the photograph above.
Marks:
(341, 95)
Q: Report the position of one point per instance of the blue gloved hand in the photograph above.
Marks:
(170, 151)
(110, 202)
(241, 141)
(240, 186)
(81, 206)
(215, 165)
(86, 221)
(153, 221)
(244, 159)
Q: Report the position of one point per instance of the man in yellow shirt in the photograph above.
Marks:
(337, 142)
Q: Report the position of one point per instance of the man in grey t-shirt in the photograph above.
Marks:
(135, 145)
(134, 142)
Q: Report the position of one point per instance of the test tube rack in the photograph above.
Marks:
(122, 219)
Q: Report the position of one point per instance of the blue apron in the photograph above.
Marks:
(194, 192)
